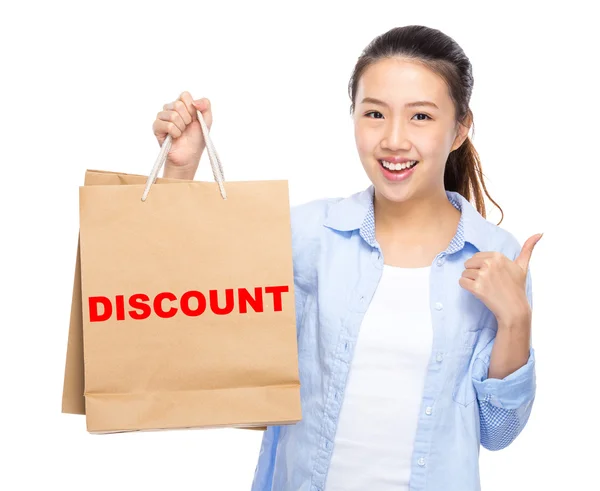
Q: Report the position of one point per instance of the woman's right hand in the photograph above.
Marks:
(180, 120)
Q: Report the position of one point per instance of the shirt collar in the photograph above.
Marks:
(357, 213)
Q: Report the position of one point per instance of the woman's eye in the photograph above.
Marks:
(421, 114)
(374, 112)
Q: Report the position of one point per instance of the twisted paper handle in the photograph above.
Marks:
(215, 162)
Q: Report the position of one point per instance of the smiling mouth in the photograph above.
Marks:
(398, 168)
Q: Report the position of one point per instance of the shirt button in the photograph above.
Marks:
(439, 357)
(428, 411)
(421, 461)
(438, 306)
(440, 261)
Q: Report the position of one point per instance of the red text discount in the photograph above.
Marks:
(192, 303)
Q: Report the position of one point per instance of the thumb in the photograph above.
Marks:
(525, 255)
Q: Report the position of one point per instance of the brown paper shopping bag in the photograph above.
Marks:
(183, 304)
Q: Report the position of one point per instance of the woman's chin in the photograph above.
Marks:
(392, 191)
(394, 195)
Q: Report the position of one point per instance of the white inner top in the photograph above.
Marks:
(378, 420)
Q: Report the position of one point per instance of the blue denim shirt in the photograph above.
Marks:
(337, 267)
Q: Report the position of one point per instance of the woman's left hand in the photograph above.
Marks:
(499, 282)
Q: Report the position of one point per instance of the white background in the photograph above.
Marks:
(81, 85)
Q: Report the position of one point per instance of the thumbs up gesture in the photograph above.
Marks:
(499, 282)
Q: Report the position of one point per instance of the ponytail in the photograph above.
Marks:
(464, 175)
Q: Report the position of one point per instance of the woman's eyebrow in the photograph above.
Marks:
(372, 100)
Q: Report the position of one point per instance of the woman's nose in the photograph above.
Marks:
(395, 137)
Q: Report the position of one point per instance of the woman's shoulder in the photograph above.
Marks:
(312, 212)
(307, 219)
(308, 232)
(502, 240)
(484, 234)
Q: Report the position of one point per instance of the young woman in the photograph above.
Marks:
(413, 311)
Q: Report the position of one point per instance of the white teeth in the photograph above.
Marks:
(390, 166)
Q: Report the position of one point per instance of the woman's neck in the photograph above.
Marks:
(412, 233)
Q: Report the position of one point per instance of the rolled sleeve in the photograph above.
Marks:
(504, 404)
(511, 392)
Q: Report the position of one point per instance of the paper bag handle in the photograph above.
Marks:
(215, 162)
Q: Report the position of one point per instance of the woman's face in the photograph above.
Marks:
(397, 127)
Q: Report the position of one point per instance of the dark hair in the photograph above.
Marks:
(441, 54)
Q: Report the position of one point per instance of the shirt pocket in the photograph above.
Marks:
(463, 392)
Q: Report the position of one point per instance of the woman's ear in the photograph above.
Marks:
(462, 131)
